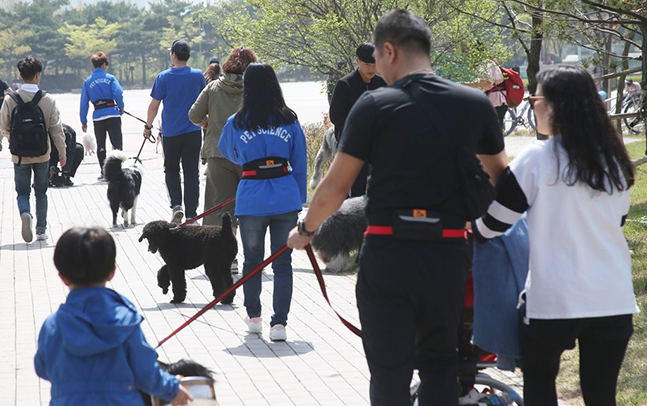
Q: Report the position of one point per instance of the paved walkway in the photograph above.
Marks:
(322, 363)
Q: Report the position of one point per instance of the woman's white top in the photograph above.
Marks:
(580, 265)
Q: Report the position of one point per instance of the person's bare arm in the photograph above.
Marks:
(153, 108)
(330, 194)
(494, 165)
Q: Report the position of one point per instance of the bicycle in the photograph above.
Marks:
(521, 115)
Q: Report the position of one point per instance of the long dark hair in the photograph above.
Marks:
(596, 154)
(263, 105)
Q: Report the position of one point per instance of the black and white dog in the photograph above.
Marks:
(185, 368)
(341, 234)
(124, 178)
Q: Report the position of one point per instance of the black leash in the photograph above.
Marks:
(150, 137)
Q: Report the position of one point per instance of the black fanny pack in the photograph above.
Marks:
(266, 168)
(104, 104)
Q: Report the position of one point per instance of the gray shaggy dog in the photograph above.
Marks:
(188, 247)
(341, 234)
(326, 153)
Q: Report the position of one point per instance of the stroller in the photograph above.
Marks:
(476, 388)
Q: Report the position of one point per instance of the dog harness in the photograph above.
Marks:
(266, 168)
(104, 104)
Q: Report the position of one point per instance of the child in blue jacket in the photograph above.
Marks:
(92, 349)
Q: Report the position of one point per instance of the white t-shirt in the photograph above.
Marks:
(580, 264)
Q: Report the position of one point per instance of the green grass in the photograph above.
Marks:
(632, 383)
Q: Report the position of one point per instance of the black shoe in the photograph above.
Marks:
(67, 181)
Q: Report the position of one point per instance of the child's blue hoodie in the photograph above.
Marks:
(93, 352)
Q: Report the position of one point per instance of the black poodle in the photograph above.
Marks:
(188, 247)
(185, 368)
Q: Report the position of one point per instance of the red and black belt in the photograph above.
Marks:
(388, 230)
(104, 104)
(266, 168)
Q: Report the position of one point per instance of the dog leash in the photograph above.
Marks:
(206, 213)
(150, 137)
(228, 291)
(320, 279)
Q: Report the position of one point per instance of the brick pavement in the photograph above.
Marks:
(322, 363)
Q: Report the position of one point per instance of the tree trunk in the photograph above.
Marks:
(643, 30)
(534, 56)
(144, 70)
(621, 81)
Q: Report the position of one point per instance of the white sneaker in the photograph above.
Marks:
(27, 233)
(234, 267)
(254, 325)
(41, 236)
(278, 333)
(178, 214)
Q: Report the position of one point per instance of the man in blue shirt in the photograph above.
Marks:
(105, 93)
(179, 88)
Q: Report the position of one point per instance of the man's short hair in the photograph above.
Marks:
(29, 67)
(365, 51)
(181, 49)
(85, 256)
(404, 29)
(99, 59)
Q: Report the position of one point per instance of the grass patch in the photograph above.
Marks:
(632, 383)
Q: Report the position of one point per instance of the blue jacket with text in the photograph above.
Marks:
(101, 86)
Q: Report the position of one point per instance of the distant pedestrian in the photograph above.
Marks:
(266, 139)
(29, 142)
(178, 87)
(92, 349)
(216, 103)
(213, 70)
(106, 95)
(347, 91)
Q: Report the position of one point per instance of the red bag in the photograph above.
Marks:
(512, 84)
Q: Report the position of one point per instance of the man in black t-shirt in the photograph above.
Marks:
(414, 259)
(347, 90)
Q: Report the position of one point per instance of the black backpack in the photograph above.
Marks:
(29, 136)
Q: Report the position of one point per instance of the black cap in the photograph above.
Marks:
(214, 60)
(181, 48)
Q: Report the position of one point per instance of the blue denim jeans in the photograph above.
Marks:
(252, 233)
(22, 178)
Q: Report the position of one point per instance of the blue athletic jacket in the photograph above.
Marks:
(101, 86)
(94, 353)
(263, 197)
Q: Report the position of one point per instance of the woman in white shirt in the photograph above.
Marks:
(575, 188)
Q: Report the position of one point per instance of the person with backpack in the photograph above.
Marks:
(503, 86)
(29, 118)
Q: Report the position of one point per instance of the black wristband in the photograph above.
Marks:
(301, 229)
(148, 127)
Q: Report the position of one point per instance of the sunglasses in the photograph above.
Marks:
(531, 100)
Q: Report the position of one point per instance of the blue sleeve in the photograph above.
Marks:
(149, 377)
(158, 91)
(41, 352)
(85, 99)
(299, 160)
(117, 93)
(226, 145)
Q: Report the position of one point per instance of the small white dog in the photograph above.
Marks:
(89, 144)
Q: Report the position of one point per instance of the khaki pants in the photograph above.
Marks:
(222, 181)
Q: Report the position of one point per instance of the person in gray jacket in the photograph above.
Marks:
(215, 104)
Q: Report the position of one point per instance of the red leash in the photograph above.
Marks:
(206, 213)
(320, 279)
(228, 291)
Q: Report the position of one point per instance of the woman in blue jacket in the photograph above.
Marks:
(266, 139)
